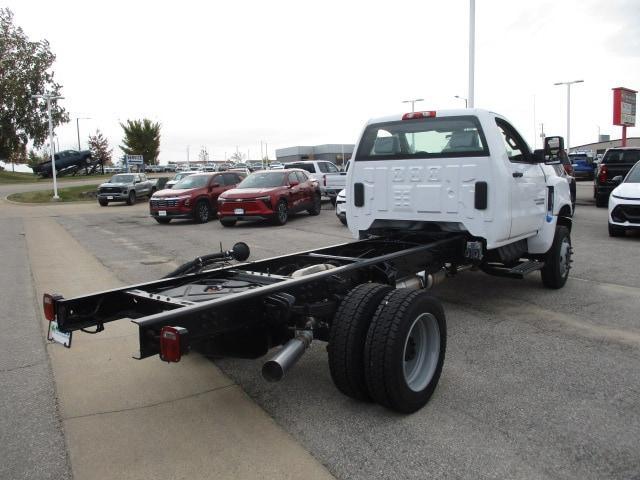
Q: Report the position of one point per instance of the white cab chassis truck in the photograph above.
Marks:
(467, 171)
(430, 194)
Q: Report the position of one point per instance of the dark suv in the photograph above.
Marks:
(616, 161)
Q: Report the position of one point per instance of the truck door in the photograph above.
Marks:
(528, 186)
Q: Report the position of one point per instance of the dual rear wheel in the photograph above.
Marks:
(388, 346)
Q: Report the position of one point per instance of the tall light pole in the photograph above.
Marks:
(48, 97)
(568, 84)
(78, 128)
(466, 102)
(472, 49)
(413, 103)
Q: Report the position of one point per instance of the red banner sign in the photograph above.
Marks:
(624, 107)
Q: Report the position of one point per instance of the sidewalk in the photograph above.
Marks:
(129, 419)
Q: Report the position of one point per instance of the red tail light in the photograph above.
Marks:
(173, 343)
(415, 115)
(603, 173)
(49, 305)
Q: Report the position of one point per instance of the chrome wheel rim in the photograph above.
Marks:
(565, 257)
(421, 352)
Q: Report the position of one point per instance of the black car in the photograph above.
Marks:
(616, 161)
(65, 160)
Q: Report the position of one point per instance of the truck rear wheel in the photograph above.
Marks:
(404, 351)
(557, 261)
(347, 338)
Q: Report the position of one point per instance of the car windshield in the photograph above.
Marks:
(192, 181)
(121, 179)
(634, 174)
(424, 138)
(262, 180)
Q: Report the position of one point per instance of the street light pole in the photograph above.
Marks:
(413, 103)
(466, 102)
(78, 128)
(568, 84)
(48, 98)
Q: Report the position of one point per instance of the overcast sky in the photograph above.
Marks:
(227, 74)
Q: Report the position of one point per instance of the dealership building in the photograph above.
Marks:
(601, 147)
(336, 153)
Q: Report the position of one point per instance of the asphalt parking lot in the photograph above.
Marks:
(536, 383)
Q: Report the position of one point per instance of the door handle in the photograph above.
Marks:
(517, 174)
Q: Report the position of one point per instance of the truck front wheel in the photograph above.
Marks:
(405, 348)
(348, 335)
(557, 261)
(131, 199)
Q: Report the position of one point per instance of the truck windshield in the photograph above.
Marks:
(263, 180)
(121, 179)
(424, 138)
(192, 181)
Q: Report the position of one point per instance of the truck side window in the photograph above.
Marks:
(517, 149)
(331, 168)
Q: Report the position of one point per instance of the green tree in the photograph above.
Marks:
(34, 158)
(142, 137)
(25, 70)
(99, 147)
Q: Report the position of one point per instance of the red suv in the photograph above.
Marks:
(192, 197)
(270, 194)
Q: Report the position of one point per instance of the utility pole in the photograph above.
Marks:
(48, 97)
(78, 128)
(472, 49)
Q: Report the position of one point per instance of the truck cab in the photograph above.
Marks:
(454, 171)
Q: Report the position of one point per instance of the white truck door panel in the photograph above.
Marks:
(528, 199)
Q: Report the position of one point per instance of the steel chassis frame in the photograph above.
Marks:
(276, 304)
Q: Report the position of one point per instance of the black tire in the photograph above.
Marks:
(391, 347)
(202, 211)
(227, 222)
(162, 220)
(281, 215)
(343, 220)
(348, 335)
(317, 205)
(557, 261)
(153, 190)
(615, 231)
(103, 203)
(602, 200)
(131, 199)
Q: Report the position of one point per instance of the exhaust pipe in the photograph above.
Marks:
(274, 369)
(423, 280)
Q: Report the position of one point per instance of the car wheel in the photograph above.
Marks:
(404, 350)
(163, 221)
(347, 338)
(601, 200)
(317, 205)
(202, 212)
(131, 199)
(343, 220)
(103, 203)
(227, 222)
(615, 231)
(282, 213)
(557, 262)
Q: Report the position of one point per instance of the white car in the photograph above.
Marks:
(179, 176)
(341, 207)
(624, 203)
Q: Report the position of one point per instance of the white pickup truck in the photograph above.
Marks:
(466, 171)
